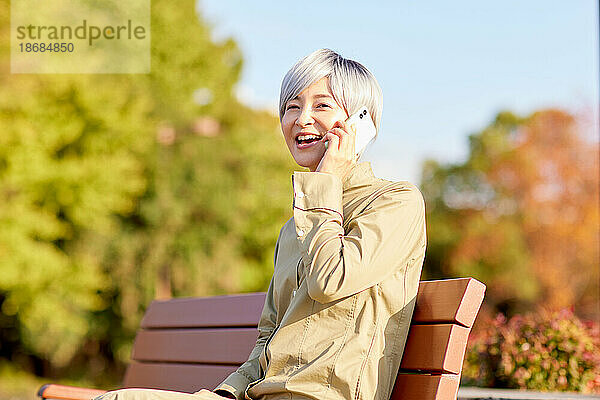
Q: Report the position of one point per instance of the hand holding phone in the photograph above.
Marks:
(365, 131)
(364, 127)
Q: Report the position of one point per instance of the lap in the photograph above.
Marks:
(153, 394)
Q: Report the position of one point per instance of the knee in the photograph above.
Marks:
(123, 394)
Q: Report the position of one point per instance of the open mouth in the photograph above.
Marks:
(307, 140)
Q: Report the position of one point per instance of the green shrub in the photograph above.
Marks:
(546, 351)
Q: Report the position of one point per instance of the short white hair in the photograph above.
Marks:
(350, 82)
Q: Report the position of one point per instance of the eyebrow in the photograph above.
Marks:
(318, 96)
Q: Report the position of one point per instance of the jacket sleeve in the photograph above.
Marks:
(250, 371)
(389, 233)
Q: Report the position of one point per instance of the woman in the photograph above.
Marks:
(347, 264)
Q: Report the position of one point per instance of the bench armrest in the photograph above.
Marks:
(61, 392)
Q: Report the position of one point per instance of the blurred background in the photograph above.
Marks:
(119, 189)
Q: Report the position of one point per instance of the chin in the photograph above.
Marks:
(307, 163)
(306, 158)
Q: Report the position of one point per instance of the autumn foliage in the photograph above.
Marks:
(521, 213)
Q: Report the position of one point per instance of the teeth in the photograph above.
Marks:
(308, 137)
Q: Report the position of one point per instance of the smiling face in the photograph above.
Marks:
(307, 119)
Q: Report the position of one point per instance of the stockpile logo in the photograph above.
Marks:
(80, 36)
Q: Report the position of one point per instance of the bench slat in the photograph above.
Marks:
(208, 346)
(443, 344)
(179, 377)
(61, 392)
(425, 387)
(190, 378)
(441, 301)
(235, 310)
(449, 301)
(435, 348)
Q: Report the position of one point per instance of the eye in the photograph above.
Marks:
(323, 105)
(290, 106)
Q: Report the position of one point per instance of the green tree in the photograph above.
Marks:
(112, 193)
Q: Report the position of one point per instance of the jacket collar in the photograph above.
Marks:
(360, 175)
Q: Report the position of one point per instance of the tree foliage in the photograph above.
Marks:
(521, 213)
(113, 193)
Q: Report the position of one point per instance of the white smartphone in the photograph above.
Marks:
(365, 129)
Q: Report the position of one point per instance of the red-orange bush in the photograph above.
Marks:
(546, 351)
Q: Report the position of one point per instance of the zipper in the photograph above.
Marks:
(293, 294)
(275, 331)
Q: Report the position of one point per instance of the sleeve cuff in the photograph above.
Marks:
(235, 384)
(317, 190)
(317, 201)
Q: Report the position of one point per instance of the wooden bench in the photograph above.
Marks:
(193, 343)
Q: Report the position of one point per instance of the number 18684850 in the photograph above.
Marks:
(47, 47)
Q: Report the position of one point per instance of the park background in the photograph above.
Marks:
(118, 189)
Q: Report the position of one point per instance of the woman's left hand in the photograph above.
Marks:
(340, 155)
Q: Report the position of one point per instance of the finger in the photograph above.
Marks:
(349, 146)
(351, 129)
(348, 127)
(347, 140)
(338, 132)
(329, 137)
(343, 140)
(334, 141)
(338, 124)
(345, 126)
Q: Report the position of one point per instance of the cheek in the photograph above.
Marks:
(328, 121)
(328, 124)
(286, 129)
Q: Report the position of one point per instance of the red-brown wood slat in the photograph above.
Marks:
(208, 346)
(425, 387)
(444, 344)
(449, 301)
(440, 301)
(435, 348)
(219, 311)
(179, 377)
(190, 378)
(62, 392)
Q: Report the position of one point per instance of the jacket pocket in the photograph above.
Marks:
(325, 335)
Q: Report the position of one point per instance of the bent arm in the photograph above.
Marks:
(387, 235)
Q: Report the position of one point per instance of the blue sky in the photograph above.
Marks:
(446, 68)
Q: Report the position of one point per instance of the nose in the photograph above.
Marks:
(305, 117)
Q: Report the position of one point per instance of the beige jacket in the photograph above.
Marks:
(337, 312)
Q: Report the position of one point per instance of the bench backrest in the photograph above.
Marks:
(193, 343)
